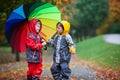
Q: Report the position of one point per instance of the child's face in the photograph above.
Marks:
(59, 29)
(37, 27)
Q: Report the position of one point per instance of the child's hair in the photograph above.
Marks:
(38, 21)
(60, 25)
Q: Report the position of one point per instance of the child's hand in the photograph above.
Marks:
(42, 40)
(73, 52)
(44, 43)
(49, 40)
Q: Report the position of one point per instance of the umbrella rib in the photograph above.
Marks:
(50, 19)
(19, 14)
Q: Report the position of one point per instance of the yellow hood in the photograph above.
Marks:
(66, 26)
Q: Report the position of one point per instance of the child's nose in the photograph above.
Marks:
(39, 27)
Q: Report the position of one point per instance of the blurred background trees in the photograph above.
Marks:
(88, 18)
(90, 15)
(112, 23)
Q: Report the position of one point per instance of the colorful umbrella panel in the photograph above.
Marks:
(17, 26)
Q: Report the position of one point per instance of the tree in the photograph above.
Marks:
(111, 24)
(90, 14)
(113, 28)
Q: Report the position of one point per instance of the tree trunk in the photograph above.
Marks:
(17, 56)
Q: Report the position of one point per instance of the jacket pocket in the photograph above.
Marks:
(33, 56)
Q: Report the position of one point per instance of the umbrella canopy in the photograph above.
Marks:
(17, 26)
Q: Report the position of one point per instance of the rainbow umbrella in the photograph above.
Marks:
(17, 26)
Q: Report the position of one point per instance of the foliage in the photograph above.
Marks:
(90, 15)
(113, 28)
(112, 20)
(67, 8)
(92, 12)
(99, 51)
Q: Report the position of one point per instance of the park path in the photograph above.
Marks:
(112, 38)
(80, 69)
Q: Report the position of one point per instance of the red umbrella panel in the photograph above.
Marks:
(18, 39)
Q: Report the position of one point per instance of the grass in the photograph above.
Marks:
(102, 53)
(6, 55)
(5, 49)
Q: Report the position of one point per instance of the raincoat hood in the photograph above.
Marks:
(66, 26)
(32, 24)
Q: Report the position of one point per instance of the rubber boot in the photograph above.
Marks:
(29, 78)
(35, 78)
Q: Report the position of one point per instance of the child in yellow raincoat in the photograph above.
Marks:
(63, 48)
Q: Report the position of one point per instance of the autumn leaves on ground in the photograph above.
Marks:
(81, 70)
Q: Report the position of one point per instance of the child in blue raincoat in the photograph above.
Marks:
(63, 48)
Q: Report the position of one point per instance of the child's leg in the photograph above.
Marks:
(37, 70)
(30, 71)
(55, 70)
(65, 71)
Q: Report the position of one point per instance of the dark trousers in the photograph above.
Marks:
(60, 71)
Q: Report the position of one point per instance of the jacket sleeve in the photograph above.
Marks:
(30, 42)
(70, 42)
(51, 41)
